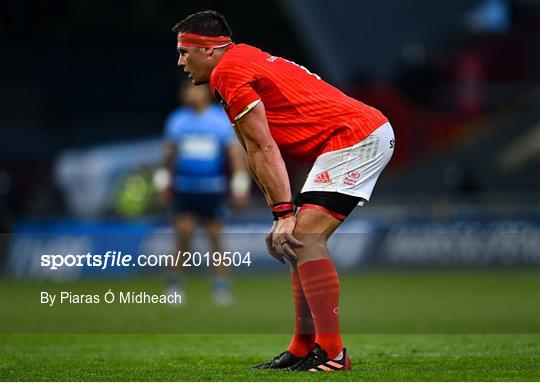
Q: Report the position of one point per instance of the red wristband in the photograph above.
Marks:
(282, 210)
(281, 207)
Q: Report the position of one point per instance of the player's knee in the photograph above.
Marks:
(185, 232)
(185, 227)
(308, 233)
(215, 241)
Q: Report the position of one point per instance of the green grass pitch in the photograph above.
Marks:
(398, 326)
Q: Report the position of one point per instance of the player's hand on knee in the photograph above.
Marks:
(283, 240)
(269, 245)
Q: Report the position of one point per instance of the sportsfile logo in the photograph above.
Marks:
(323, 178)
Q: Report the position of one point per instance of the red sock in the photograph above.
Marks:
(320, 283)
(304, 330)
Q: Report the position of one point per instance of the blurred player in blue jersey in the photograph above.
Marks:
(200, 145)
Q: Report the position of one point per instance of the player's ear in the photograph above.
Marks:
(208, 52)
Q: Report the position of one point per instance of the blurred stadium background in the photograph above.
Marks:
(87, 85)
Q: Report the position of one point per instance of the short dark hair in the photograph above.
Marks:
(208, 23)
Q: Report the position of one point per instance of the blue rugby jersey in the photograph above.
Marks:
(201, 140)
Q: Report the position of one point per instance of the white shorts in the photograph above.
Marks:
(353, 170)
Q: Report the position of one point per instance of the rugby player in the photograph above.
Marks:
(279, 107)
(200, 145)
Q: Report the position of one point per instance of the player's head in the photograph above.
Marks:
(195, 97)
(202, 39)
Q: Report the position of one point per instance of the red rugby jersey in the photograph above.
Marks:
(306, 116)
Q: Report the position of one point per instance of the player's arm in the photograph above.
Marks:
(263, 156)
(253, 175)
(163, 175)
(169, 155)
(234, 89)
(267, 167)
(240, 181)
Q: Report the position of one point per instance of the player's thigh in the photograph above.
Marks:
(184, 224)
(213, 225)
(314, 225)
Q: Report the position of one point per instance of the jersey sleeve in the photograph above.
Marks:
(233, 89)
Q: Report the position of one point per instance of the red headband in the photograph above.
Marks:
(195, 40)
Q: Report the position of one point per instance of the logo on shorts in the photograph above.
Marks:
(323, 178)
(354, 174)
(352, 178)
